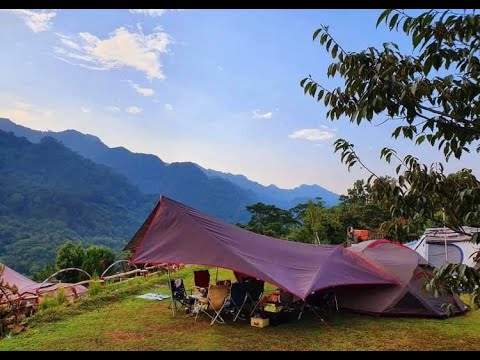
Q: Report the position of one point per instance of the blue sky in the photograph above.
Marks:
(215, 87)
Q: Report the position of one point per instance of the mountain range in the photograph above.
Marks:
(153, 176)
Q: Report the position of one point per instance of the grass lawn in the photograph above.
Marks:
(117, 320)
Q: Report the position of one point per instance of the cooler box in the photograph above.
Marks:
(259, 322)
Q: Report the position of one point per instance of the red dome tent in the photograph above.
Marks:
(409, 297)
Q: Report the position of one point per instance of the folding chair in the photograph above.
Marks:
(179, 294)
(254, 292)
(215, 301)
(201, 279)
(237, 300)
(322, 301)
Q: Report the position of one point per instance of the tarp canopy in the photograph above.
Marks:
(176, 233)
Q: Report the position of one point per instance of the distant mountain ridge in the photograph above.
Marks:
(271, 194)
(184, 182)
(221, 194)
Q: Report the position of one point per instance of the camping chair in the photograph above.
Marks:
(179, 294)
(237, 300)
(254, 289)
(201, 279)
(319, 302)
(215, 301)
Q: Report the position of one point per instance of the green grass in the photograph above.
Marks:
(115, 319)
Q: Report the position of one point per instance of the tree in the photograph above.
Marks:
(270, 220)
(70, 255)
(97, 259)
(378, 81)
(441, 107)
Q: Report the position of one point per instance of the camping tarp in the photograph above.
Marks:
(176, 233)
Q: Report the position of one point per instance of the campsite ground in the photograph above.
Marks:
(116, 320)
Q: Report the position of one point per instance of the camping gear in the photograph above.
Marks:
(152, 296)
(201, 279)
(238, 299)
(179, 295)
(442, 245)
(215, 301)
(259, 322)
(272, 308)
(278, 318)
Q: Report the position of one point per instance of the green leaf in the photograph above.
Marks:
(303, 82)
(323, 38)
(396, 132)
(393, 21)
(476, 238)
(420, 139)
(383, 15)
(329, 42)
(416, 40)
(315, 34)
(307, 87)
(335, 50)
(428, 65)
(320, 95)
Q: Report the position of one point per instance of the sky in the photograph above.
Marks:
(216, 87)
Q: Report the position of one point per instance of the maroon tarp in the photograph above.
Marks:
(176, 233)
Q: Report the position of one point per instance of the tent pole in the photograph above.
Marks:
(216, 275)
(172, 300)
(445, 237)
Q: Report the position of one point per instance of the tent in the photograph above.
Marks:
(176, 233)
(26, 287)
(409, 297)
(458, 250)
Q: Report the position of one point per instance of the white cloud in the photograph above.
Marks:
(258, 115)
(26, 112)
(133, 110)
(168, 107)
(36, 20)
(86, 110)
(122, 48)
(113, 108)
(312, 134)
(141, 90)
(152, 12)
(326, 127)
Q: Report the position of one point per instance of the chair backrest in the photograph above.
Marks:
(237, 293)
(224, 282)
(201, 278)
(178, 288)
(254, 288)
(217, 295)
